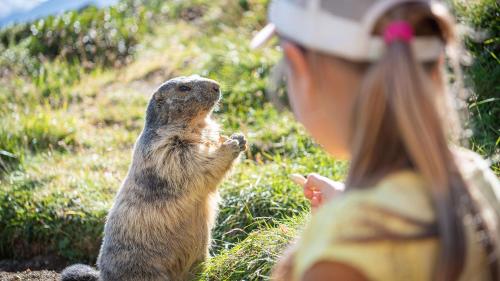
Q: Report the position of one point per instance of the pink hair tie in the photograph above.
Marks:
(398, 31)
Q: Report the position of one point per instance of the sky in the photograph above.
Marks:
(29, 10)
(9, 6)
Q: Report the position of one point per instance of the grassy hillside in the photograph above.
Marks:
(73, 99)
(69, 130)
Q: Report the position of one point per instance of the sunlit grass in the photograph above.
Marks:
(253, 258)
(66, 140)
(34, 131)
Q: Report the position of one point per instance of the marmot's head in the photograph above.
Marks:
(182, 99)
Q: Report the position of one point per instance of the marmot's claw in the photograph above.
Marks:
(242, 141)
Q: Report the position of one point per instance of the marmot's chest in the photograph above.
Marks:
(187, 211)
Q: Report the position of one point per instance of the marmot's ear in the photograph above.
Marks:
(161, 92)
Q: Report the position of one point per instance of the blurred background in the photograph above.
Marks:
(75, 77)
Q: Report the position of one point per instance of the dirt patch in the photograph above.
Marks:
(36, 263)
(43, 268)
(29, 275)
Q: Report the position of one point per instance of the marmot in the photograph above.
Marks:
(160, 223)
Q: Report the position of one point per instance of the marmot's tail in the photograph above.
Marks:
(79, 272)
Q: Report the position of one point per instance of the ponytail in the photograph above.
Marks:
(396, 125)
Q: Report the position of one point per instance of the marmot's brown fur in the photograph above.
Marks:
(159, 226)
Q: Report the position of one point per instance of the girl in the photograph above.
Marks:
(365, 79)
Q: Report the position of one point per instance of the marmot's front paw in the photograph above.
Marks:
(232, 146)
(235, 144)
(242, 141)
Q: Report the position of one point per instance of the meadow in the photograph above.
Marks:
(73, 91)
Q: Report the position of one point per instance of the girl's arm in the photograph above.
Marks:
(283, 270)
(321, 271)
(329, 271)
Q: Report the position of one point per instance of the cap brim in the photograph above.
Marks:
(263, 36)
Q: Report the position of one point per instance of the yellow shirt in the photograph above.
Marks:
(391, 205)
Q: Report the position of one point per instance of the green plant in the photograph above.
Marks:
(39, 226)
(483, 44)
(41, 130)
(254, 257)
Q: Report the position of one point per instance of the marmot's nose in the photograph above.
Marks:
(215, 88)
(212, 86)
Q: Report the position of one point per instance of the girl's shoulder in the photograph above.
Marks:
(476, 172)
(470, 163)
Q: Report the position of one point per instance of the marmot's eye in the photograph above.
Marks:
(184, 88)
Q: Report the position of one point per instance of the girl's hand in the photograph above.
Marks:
(318, 189)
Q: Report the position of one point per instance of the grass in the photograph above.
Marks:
(483, 44)
(42, 129)
(67, 133)
(252, 258)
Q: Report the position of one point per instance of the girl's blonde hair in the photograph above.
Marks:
(396, 124)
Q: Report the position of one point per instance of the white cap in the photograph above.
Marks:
(342, 28)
